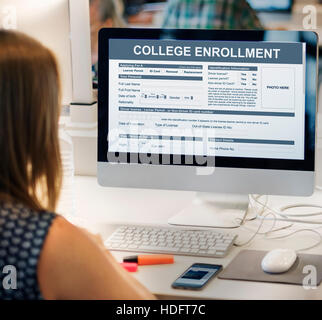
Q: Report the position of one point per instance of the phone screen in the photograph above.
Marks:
(197, 276)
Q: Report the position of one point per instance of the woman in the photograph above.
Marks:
(53, 259)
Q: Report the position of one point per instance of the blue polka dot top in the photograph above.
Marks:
(22, 234)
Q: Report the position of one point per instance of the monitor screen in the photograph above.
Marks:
(271, 5)
(241, 101)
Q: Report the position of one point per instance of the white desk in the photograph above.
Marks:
(98, 208)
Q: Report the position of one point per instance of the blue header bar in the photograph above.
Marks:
(206, 51)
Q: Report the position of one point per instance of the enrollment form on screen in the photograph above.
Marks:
(250, 96)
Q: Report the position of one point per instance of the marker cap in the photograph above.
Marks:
(130, 266)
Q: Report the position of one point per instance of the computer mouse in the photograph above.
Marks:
(279, 260)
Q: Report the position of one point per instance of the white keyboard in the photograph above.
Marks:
(202, 243)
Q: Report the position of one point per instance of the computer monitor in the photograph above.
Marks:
(63, 26)
(271, 5)
(207, 110)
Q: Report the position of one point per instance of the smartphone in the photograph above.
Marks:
(197, 276)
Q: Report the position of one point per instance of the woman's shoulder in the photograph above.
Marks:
(68, 260)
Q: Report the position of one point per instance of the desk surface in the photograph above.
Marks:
(98, 209)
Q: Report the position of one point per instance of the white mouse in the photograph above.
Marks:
(278, 260)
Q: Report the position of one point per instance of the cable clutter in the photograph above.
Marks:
(269, 214)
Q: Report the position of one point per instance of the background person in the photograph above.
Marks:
(210, 14)
(103, 14)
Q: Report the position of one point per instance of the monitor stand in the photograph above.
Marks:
(213, 211)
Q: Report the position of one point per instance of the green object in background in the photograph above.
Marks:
(210, 14)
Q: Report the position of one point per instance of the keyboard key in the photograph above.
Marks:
(220, 254)
(222, 247)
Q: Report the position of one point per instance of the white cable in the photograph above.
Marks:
(301, 205)
(298, 231)
(242, 221)
(274, 219)
(254, 235)
(293, 220)
(285, 216)
(261, 223)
